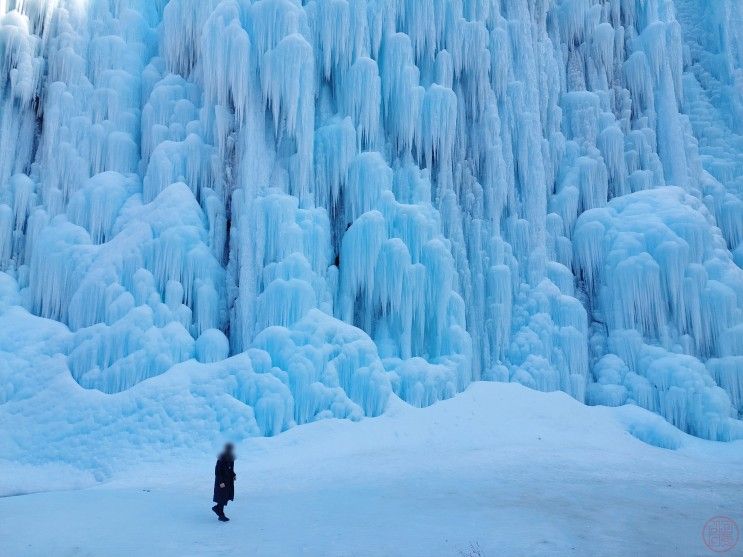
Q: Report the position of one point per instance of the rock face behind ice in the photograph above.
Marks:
(353, 198)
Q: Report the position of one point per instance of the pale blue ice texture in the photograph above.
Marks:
(237, 216)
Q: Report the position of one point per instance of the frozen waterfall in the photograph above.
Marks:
(280, 210)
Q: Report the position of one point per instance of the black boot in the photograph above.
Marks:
(219, 511)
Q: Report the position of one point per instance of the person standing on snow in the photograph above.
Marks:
(224, 481)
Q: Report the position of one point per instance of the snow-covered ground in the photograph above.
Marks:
(228, 218)
(500, 468)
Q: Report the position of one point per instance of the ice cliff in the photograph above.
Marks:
(231, 217)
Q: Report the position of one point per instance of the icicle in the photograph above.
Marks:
(361, 98)
(368, 177)
(335, 147)
(359, 252)
(183, 21)
(287, 76)
(332, 32)
(437, 125)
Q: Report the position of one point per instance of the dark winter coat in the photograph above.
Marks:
(224, 473)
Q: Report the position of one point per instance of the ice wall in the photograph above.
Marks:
(350, 198)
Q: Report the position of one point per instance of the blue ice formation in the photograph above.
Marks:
(276, 211)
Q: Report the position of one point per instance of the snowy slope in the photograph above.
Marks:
(512, 470)
(233, 217)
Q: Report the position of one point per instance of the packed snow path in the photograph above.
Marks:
(512, 470)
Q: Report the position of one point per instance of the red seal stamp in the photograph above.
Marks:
(720, 534)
